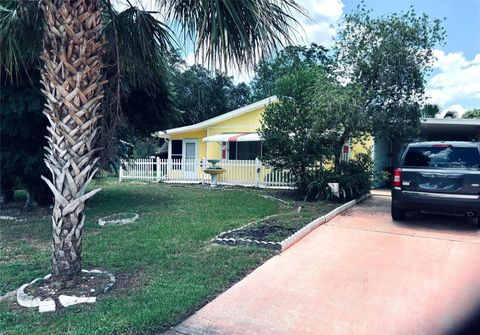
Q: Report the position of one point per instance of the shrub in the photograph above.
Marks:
(353, 176)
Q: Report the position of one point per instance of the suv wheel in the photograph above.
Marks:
(398, 214)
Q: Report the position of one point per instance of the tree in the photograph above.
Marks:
(137, 94)
(73, 81)
(201, 94)
(388, 58)
(341, 110)
(451, 114)
(429, 110)
(472, 114)
(291, 136)
(270, 70)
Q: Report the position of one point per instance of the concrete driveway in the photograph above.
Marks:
(360, 273)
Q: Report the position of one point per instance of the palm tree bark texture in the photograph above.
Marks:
(72, 82)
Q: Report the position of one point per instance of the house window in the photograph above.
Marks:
(177, 154)
(245, 150)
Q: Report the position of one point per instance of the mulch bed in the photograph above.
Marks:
(294, 215)
(262, 231)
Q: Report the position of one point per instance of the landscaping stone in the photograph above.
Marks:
(45, 295)
(11, 218)
(67, 300)
(26, 300)
(118, 219)
(47, 305)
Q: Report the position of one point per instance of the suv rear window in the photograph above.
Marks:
(442, 156)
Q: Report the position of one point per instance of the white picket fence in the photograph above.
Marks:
(237, 172)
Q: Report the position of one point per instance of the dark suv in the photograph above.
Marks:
(441, 177)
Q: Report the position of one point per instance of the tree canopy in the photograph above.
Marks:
(200, 94)
(270, 70)
(429, 110)
(388, 58)
(288, 128)
(472, 114)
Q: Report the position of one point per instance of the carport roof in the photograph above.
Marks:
(450, 129)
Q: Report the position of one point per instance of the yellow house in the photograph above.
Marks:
(229, 137)
(232, 138)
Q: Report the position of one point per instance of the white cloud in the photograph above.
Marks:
(458, 109)
(321, 25)
(457, 79)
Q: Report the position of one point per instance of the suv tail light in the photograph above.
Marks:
(397, 178)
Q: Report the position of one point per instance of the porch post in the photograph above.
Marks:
(169, 159)
(204, 166)
(257, 172)
(120, 172)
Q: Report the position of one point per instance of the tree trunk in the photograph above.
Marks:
(73, 86)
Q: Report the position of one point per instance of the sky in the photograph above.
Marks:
(455, 80)
(454, 83)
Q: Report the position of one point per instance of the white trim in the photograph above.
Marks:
(236, 126)
(217, 119)
(169, 149)
(238, 137)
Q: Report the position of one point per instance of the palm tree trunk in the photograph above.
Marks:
(73, 86)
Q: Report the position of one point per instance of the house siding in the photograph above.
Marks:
(246, 123)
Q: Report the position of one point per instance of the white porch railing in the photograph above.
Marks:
(237, 172)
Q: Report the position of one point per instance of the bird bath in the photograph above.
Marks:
(214, 171)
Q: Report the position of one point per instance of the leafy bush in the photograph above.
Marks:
(353, 176)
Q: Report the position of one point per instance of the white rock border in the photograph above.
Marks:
(48, 305)
(11, 218)
(292, 239)
(105, 220)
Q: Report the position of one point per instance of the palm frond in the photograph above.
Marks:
(142, 40)
(238, 33)
(21, 29)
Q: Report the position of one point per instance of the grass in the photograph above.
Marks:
(165, 265)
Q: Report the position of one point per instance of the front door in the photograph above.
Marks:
(190, 158)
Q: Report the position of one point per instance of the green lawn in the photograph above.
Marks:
(165, 265)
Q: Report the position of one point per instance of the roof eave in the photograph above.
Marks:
(220, 118)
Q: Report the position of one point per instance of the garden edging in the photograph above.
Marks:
(292, 239)
(289, 241)
(246, 241)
